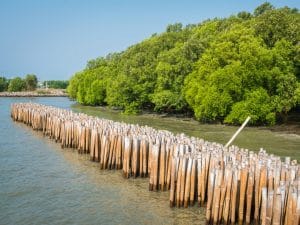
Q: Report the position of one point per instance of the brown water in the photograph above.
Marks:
(42, 184)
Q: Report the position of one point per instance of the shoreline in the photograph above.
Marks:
(28, 96)
(36, 93)
(290, 127)
(179, 164)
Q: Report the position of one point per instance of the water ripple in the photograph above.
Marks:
(43, 184)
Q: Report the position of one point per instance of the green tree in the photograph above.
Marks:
(244, 15)
(16, 84)
(171, 70)
(177, 27)
(56, 84)
(97, 93)
(257, 105)
(31, 82)
(74, 82)
(121, 93)
(3, 84)
(236, 64)
(263, 8)
(94, 63)
(220, 69)
(284, 80)
(274, 25)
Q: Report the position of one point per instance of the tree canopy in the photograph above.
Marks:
(3, 84)
(219, 70)
(16, 84)
(31, 82)
(56, 84)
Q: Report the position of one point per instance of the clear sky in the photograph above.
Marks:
(54, 38)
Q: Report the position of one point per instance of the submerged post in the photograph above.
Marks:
(237, 132)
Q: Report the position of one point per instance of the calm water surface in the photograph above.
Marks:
(42, 184)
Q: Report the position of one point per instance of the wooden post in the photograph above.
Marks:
(236, 184)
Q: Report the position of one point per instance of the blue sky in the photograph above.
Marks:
(54, 39)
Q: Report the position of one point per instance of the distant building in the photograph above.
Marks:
(40, 84)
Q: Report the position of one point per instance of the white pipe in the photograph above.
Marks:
(237, 132)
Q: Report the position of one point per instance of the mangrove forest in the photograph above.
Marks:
(222, 69)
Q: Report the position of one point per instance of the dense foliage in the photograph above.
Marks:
(56, 84)
(16, 84)
(219, 70)
(3, 84)
(29, 83)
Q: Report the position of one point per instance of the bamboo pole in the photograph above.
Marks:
(234, 183)
(237, 132)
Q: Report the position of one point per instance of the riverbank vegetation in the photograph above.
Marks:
(29, 83)
(222, 69)
(56, 84)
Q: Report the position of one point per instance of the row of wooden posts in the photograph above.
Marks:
(235, 185)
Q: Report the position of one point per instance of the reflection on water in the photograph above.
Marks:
(43, 184)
